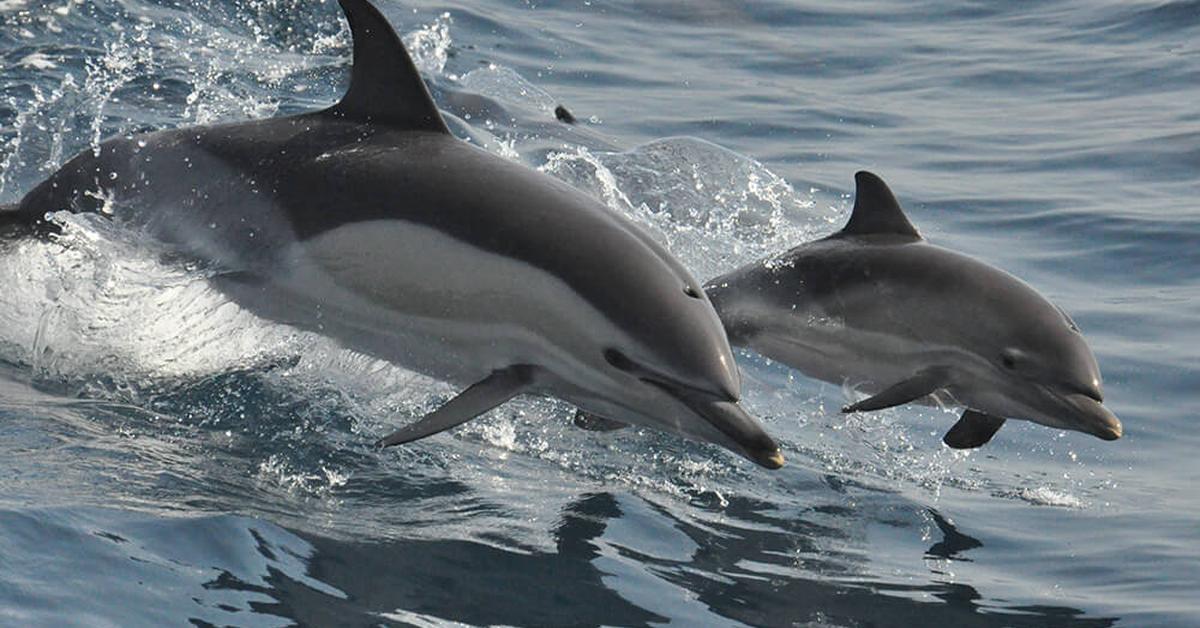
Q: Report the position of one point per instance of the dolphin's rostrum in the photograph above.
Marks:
(370, 223)
(876, 305)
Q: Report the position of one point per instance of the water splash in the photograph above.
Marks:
(125, 58)
(321, 484)
(1049, 496)
(507, 85)
(713, 208)
(430, 45)
(40, 125)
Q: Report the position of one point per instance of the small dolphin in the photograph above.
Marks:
(877, 305)
(370, 223)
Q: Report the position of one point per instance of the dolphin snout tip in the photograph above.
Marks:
(739, 432)
(1085, 413)
(1111, 430)
(1104, 424)
(771, 460)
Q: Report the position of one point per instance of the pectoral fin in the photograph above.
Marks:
(594, 423)
(973, 430)
(923, 383)
(478, 398)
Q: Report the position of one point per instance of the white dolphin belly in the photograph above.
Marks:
(417, 297)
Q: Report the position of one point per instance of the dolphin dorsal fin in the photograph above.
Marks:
(385, 87)
(876, 210)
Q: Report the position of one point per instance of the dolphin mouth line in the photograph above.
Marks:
(751, 440)
(1102, 422)
(1087, 413)
(1084, 391)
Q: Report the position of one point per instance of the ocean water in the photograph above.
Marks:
(169, 459)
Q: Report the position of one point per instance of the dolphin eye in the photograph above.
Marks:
(691, 292)
(1008, 360)
(619, 360)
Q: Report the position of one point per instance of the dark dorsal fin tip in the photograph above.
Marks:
(385, 86)
(564, 115)
(876, 210)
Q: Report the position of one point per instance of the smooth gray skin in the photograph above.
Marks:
(879, 307)
(370, 223)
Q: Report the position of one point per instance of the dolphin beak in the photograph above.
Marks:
(736, 430)
(746, 433)
(773, 461)
(1094, 418)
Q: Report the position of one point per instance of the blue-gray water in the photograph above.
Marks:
(166, 458)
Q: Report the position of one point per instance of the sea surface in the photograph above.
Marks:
(168, 459)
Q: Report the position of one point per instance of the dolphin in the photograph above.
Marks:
(370, 223)
(904, 320)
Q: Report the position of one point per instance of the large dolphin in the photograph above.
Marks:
(903, 320)
(370, 223)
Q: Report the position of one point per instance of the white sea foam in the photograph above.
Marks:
(37, 61)
(710, 206)
(1049, 496)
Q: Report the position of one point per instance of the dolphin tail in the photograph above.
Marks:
(13, 223)
(16, 223)
(478, 398)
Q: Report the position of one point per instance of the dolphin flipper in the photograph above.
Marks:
(923, 383)
(973, 430)
(478, 398)
(595, 423)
